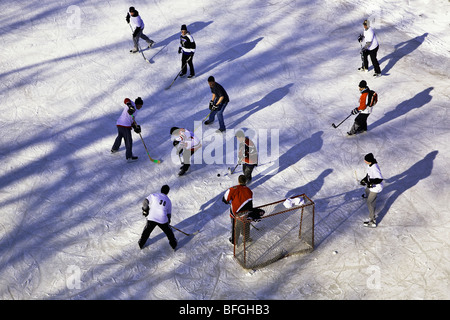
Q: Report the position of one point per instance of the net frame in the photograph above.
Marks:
(304, 223)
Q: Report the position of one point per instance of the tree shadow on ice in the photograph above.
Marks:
(418, 101)
(290, 157)
(398, 184)
(268, 100)
(401, 50)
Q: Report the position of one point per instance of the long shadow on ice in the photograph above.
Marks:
(230, 55)
(406, 180)
(290, 157)
(312, 187)
(268, 100)
(418, 101)
(401, 50)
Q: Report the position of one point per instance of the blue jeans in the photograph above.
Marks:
(219, 113)
(125, 133)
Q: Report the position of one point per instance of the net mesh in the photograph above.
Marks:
(286, 228)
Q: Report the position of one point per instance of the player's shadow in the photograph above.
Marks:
(312, 187)
(398, 184)
(269, 99)
(231, 54)
(401, 50)
(208, 211)
(418, 101)
(290, 157)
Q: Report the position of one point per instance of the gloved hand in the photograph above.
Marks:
(360, 38)
(145, 211)
(215, 107)
(179, 50)
(365, 181)
(131, 109)
(128, 17)
(355, 111)
(137, 128)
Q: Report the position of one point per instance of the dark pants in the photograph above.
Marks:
(186, 161)
(248, 169)
(140, 35)
(219, 113)
(373, 58)
(124, 133)
(360, 123)
(164, 227)
(238, 227)
(184, 59)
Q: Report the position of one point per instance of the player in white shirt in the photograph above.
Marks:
(157, 208)
(124, 124)
(137, 25)
(370, 49)
(186, 144)
(373, 182)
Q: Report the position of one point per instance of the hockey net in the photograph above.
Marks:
(286, 228)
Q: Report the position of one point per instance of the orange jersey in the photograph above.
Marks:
(239, 196)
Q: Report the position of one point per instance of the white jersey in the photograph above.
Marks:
(137, 22)
(160, 206)
(125, 119)
(187, 139)
(374, 172)
(369, 36)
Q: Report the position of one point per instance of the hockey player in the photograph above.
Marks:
(186, 144)
(247, 155)
(241, 199)
(373, 182)
(137, 25)
(157, 208)
(218, 103)
(370, 49)
(187, 47)
(124, 124)
(363, 111)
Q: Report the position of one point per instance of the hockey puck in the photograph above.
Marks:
(218, 174)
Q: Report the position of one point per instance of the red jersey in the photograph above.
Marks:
(239, 196)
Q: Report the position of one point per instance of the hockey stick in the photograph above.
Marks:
(139, 48)
(362, 56)
(234, 169)
(151, 159)
(203, 120)
(179, 73)
(187, 234)
(335, 126)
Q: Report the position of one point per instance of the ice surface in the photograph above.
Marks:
(71, 211)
